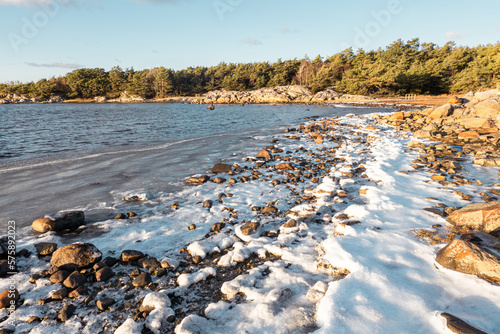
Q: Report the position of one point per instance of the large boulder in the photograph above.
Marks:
(475, 98)
(480, 216)
(83, 255)
(468, 258)
(487, 108)
(442, 111)
(70, 220)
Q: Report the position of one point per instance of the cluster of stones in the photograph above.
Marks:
(14, 98)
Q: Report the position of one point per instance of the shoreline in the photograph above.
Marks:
(349, 213)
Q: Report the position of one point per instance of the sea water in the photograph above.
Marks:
(57, 157)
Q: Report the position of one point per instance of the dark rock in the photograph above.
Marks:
(80, 291)
(104, 274)
(121, 216)
(59, 276)
(33, 319)
(471, 237)
(142, 280)
(219, 180)
(75, 280)
(162, 272)
(131, 214)
(60, 294)
(435, 211)
(104, 303)
(208, 204)
(23, 253)
(91, 297)
(66, 312)
(54, 269)
(131, 255)
(64, 221)
(221, 168)
(198, 180)
(79, 254)
(192, 227)
(217, 227)
(197, 259)
(457, 325)
(45, 248)
(269, 210)
(98, 266)
(149, 263)
(110, 261)
(496, 233)
(4, 267)
(34, 278)
(249, 228)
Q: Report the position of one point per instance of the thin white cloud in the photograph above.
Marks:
(29, 3)
(36, 3)
(285, 30)
(251, 41)
(56, 64)
(453, 34)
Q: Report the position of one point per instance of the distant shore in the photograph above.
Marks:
(268, 95)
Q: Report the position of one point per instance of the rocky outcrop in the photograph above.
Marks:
(15, 99)
(79, 254)
(281, 94)
(70, 220)
(125, 97)
(468, 258)
(100, 99)
(474, 123)
(328, 94)
(480, 216)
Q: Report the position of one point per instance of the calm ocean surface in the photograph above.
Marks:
(88, 156)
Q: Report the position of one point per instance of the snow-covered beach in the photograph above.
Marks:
(323, 235)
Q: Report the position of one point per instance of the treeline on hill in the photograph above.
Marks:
(402, 68)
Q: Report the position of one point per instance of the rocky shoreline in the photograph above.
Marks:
(284, 94)
(319, 184)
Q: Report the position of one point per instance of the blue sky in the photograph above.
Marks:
(45, 38)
